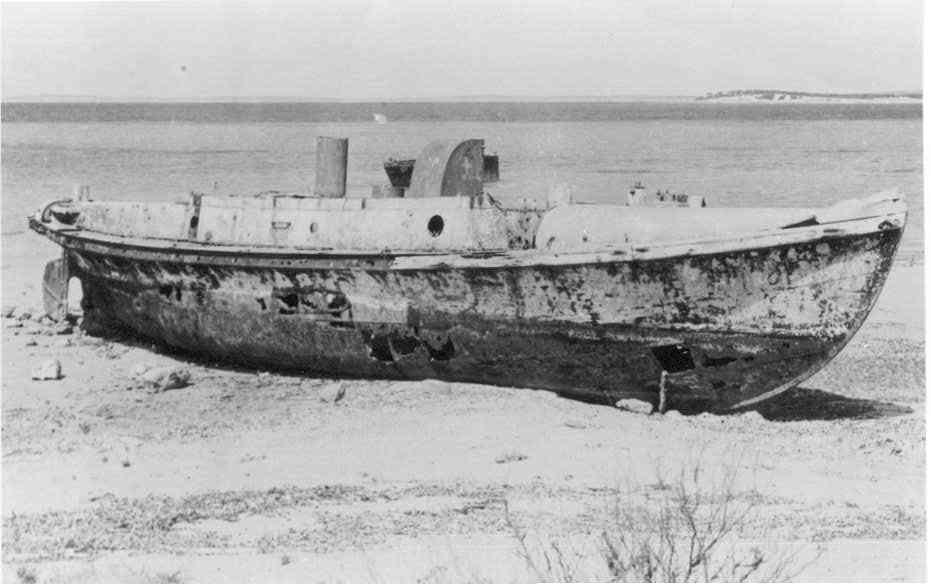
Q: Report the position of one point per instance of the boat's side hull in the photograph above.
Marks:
(728, 327)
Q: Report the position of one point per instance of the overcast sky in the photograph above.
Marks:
(415, 49)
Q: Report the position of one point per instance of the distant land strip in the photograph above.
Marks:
(782, 95)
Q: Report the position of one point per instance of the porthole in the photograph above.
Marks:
(435, 225)
(313, 227)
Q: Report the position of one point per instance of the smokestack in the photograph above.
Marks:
(332, 161)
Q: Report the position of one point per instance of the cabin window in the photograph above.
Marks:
(435, 225)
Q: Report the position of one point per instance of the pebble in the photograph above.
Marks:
(8, 311)
(752, 417)
(50, 369)
(333, 393)
(162, 379)
(13, 324)
(635, 405)
(510, 457)
(139, 370)
(31, 343)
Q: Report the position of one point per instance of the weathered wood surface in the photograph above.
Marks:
(319, 223)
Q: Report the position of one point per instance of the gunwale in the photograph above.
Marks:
(151, 249)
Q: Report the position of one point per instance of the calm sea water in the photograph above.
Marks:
(734, 155)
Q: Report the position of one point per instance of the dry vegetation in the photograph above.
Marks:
(686, 530)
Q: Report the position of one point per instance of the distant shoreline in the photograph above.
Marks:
(783, 97)
(735, 96)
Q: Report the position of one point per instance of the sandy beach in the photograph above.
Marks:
(255, 476)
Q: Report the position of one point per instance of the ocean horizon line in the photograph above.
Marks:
(481, 98)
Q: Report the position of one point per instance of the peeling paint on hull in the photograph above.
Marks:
(729, 327)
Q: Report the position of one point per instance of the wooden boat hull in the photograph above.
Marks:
(730, 323)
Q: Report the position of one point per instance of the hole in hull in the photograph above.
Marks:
(287, 303)
(403, 344)
(717, 361)
(380, 348)
(441, 351)
(674, 358)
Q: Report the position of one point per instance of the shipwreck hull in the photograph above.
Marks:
(729, 326)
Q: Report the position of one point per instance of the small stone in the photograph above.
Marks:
(510, 457)
(635, 405)
(752, 417)
(8, 311)
(64, 329)
(162, 379)
(66, 342)
(139, 370)
(333, 393)
(13, 324)
(31, 343)
(50, 369)
(24, 316)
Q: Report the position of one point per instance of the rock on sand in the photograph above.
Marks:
(635, 405)
(50, 369)
(161, 378)
(333, 393)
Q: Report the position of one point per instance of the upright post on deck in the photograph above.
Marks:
(332, 161)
